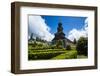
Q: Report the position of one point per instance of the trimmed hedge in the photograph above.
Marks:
(45, 50)
(43, 55)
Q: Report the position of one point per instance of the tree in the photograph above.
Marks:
(39, 39)
(82, 46)
(74, 41)
(31, 37)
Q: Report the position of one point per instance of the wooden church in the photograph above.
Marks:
(60, 36)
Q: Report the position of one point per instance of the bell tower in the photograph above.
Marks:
(59, 35)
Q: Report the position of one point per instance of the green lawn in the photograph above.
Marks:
(72, 54)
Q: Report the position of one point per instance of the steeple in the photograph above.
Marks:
(59, 35)
(59, 28)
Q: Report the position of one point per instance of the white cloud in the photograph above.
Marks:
(39, 28)
(74, 33)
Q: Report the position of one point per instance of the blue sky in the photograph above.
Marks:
(68, 22)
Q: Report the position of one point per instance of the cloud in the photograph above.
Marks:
(39, 28)
(76, 34)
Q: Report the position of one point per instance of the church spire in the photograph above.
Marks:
(60, 28)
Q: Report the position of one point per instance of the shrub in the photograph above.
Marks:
(68, 47)
(82, 46)
(42, 55)
(40, 45)
(34, 44)
(53, 46)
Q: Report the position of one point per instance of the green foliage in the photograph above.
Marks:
(74, 41)
(40, 40)
(59, 44)
(41, 50)
(68, 47)
(31, 37)
(82, 46)
(67, 55)
(34, 44)
(46, 50)
(40, 45)
(53, 47)
(71, 55)
(43, 55)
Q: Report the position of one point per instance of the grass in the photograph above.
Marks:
(72, 54)
(81, 56)
(61, 56)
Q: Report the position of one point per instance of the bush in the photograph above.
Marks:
(68, 47)
(52, 46)
(42, 55)
(82, 46)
